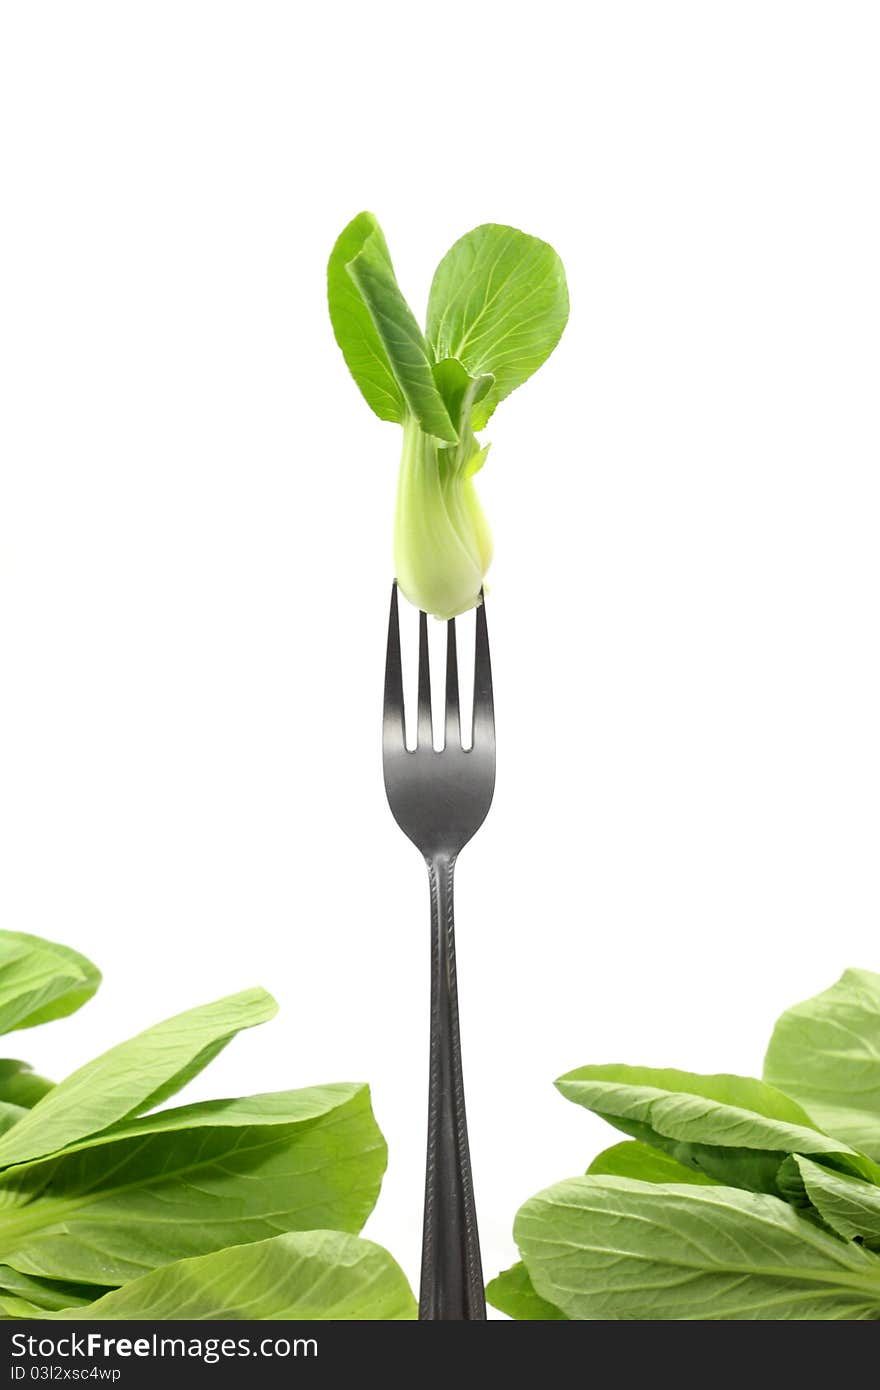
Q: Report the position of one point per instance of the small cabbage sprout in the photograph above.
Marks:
(497, 308)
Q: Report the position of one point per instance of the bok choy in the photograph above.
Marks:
(497, 308)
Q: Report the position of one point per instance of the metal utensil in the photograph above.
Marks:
(440, 800)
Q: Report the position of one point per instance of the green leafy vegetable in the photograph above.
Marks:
(46, 1294)
(734, 1198)
(134, 1076)
(400, 336)
(189, 1181)
(364, 352)
(497, 308)
(848, 1205)
(730, 1127)
(314, 1275)
(826, 1054)
(97, 1196)
(40, 980)
(513, 1293)
(615, 1248)
(498, 303)
(636, 1160)
(10, 1115)
(20, 1086)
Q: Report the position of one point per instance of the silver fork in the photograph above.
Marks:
(440, 800)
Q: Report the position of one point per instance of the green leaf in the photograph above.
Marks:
(46, 1294)
(10, 1115)
(632, 1159)
(133, 1076)
(312, 1276)
(191, 1180)
(40, 980)
(513, 1293)
(461, 392)
(826, 1054)
(734, 1128)
(353, 327)
(21, 1086)
(850, 1206)
(381, 342)
(401, 338)
(498, 303)
(614, 1249)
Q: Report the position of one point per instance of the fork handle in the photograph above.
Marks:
(452, 1272)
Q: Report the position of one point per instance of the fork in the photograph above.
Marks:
(440, 800)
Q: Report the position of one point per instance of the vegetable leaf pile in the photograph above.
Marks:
(733, 1198)
(497, 308)
(110, 1208)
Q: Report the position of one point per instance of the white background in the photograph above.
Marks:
(195, 547)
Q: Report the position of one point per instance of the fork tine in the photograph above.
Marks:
(425, 724)
(393, 731)
(484, 706)
(453, 716)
